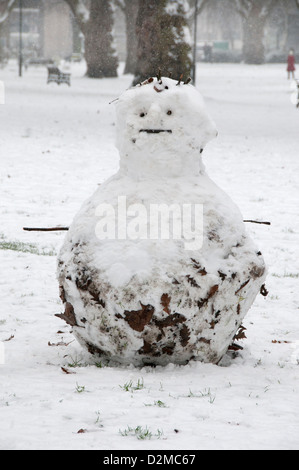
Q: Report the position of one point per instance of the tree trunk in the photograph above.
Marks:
(253, 37)
(100, 56)
(162, 42)
(131, 10)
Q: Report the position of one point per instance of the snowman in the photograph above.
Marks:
(157, 266)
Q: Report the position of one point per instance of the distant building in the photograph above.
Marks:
(57, 29)
(49, 30)
(31, 28)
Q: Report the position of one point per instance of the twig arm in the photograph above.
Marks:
(60, 229)
(257, 222)
(41, 229)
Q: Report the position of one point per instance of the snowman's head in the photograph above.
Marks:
(162, 124)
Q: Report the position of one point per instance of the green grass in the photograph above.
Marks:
(202, 394)
(77, 362)
(158, 403)
(80, 388)
(291, 275)
(25, 248)
(141, 433)
(98, 421)
(129, 387)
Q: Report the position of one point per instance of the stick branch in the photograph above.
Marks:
(51, 229)
(257, 222)
(60, 229)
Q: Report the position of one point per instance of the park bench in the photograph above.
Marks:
(55, 75)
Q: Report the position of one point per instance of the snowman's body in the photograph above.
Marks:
(136, 297)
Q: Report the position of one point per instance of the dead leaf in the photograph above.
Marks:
(10, 338)
(138, 319)
(69, 315)
(66, 371)
(240, 333)
(192, 281)
(212, 292)
(235, 347)
(275, 341)
(60, 343)
(197, 266)
(165, 301)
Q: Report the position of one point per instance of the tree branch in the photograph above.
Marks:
(268, 8)
(120, 4)
(242, 7)
(80, 12)
(201, 4)
(4, 12)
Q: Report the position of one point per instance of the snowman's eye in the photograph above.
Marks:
(142, 114)
(169, 112)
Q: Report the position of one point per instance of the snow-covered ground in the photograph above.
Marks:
(56, 146)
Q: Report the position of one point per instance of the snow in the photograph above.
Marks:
(210, 273)
(163, 106)
(176, 7)
(82, 11)
(57, 146)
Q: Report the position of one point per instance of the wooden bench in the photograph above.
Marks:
(55, 75)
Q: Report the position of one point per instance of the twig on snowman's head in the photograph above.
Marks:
(146, 82)
(180, 79)
(159, 76)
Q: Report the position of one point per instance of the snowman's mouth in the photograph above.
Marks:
(156, 131)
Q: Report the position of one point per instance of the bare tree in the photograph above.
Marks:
(199, 5)
(95, 20)
(5, 8)
(130, 10)
(164, 40)
(254, 14)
